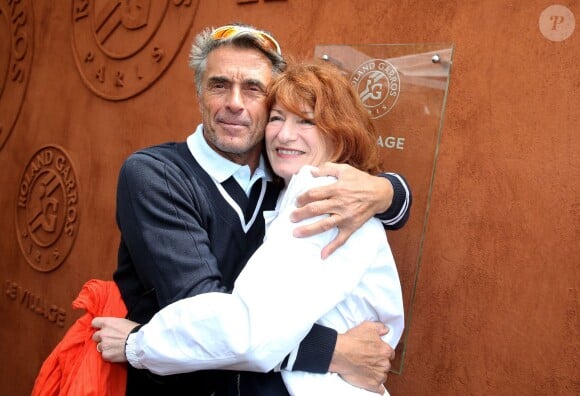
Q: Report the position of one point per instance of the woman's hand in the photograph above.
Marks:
(111, 336)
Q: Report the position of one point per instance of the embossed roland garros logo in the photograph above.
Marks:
(47, 215)
(16, 49)
(378, 85)
(122, 47)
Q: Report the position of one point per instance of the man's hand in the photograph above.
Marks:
(362, 358)
(111, 336)
(351, 201)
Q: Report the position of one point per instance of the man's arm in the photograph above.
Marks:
(160, 218)
(355, 198)
(362, 358)
(396, 216)
(359, 356)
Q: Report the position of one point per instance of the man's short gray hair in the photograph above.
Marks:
(247, 37)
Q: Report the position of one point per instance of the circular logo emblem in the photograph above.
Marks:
(16, 34)
(378, 85)
(47, 215)
(557, 23)
(122, 47)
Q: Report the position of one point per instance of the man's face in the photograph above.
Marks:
(232, 102)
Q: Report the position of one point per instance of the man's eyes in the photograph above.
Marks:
(252, 90)
(217, 85)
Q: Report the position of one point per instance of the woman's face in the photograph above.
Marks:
(292, 141)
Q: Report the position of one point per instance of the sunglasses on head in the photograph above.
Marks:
(267, 41)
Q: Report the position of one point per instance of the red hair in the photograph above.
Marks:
(338, 112)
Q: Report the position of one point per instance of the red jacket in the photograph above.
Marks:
(74, 367)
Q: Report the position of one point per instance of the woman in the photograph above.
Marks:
(286, 286)
(315, 117)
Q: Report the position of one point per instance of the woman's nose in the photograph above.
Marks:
(287, 131)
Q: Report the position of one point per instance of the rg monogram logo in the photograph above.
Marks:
(47, 215)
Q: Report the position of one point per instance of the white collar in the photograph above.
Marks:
(221, 168)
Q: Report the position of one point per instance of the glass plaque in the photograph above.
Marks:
(404, 87)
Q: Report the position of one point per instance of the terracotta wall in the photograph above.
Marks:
(496, 305)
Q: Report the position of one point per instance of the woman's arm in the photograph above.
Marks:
(351, 201)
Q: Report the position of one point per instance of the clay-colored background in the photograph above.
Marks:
(496, 307)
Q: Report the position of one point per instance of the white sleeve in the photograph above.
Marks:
(282, 291)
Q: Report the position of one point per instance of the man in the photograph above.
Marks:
(187, 229)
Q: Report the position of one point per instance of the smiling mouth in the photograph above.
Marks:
(289, 152)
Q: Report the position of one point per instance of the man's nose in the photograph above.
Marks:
(235, 100)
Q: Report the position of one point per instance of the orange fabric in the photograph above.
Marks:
(75, 367)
